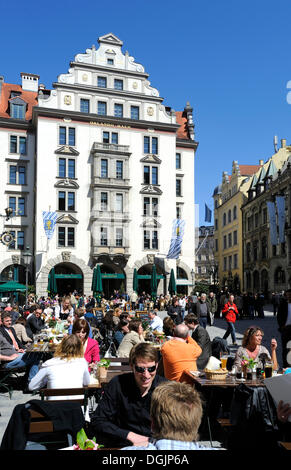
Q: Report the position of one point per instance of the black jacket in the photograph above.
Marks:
(121, 410)
(282, 313)
(201, 336)
(35, 324)
(175, 314)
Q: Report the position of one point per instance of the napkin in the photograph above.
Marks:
(213, 363)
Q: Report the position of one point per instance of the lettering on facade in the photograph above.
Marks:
(109, 125)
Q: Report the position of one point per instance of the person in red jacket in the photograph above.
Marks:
(230, 312)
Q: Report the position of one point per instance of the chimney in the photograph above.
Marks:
(261, 162)
(283, 143)
(41, 86)
(1, 81)
(29, 81)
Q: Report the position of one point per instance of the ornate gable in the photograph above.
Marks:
(67, 219)
(150, 158)
(110, 39)
(151, 189)
(150, 222)
(67, 150)
(67, 183)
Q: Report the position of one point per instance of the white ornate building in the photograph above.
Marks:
(117, 166)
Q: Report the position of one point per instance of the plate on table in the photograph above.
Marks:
(197, 373)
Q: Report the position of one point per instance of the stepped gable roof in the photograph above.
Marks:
(181, 118)
(29, 97)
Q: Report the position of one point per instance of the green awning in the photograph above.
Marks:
(12, 286)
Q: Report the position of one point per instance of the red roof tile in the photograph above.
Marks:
(30, 97)
(182, 132)
(246, 170)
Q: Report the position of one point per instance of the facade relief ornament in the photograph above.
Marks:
(150, 111)
(66, 256)
(68, 99)
(15, 259)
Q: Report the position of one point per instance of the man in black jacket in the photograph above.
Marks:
(122, 417)
(175, 312)
(284, 322)
(34, 322)
(201, 336)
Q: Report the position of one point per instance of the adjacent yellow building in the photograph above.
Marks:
(229, 197)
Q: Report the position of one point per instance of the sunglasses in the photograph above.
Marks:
(141, 370)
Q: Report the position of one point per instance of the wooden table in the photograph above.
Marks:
(44, 347)
(229, 381)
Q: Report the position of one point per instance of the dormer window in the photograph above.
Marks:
(13, 94)
(17, 108)
(110, 61)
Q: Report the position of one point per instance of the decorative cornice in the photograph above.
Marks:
(67, 150)
(67, 219)
(150, 158)
(67, 183)
(115, 70)
(151, 189)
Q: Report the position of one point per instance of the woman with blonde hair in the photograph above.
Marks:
(65, 309)
(67, 369)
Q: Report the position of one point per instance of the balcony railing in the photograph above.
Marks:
(110, 147)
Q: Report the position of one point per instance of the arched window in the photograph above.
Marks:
(229, 216)
(264, 248)
(279, 276)
(248, 252)
(234, 213)
(255, 250)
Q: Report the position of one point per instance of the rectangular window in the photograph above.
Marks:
(61, 236)
(17, 144)
(106, 137)
(114, 138)
(67, 136)
(71, 201)
(155, 243)
(21, 175)
(84, 106)
(229, 240)
(12, 204)
(235, 261)
(178, 212)
(146, 206)
(119, 169)
(118, 84)
(21, 206)
(224, 242)
(235, 237)
(18, 242)
(216, 244)
(154, 145)
(178, 161)
(134, 112)
(71, 168)
(104, 201)
(17, 111)
(178, 188)
(146, 239)
(155, 205)
(154, 175)
(71, 236)
(62, 167)
(118, 110)
(110, 61)
(230, 263)
(103, 236)
(62, 201)
(216, 224)
(119, 203)
(102, 82)
(12, 174)
(146, 175)
(119, 237)
(224, 264)
(102, 108)
(104, 168)
(146, 144)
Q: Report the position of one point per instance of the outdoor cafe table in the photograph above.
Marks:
(229, 381)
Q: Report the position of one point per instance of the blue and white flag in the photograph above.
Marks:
(280, 200)
(273, 224)
(49, 222)
(208, 213)
(177, 238)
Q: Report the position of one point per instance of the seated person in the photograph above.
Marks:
(123, 413)
(78, 314)
(176, 413)
(35, 323)
(132, 338)
(67, 369)
(64, 310)
(91, 347)
(201, 336)
(12, 353)
(252, 348)
(121, 331)
(20, 330)
(180, 353)
(168, 326)
(156, 323)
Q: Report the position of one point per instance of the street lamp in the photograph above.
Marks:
(192, 275)
(27, 256)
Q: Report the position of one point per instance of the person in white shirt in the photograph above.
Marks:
(67, 369)
(182, 303)
(156, 323)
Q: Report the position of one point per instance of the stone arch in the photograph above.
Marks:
(8, 261)
(42, 281)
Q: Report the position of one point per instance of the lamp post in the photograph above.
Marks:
(192, 275)
(27, 256)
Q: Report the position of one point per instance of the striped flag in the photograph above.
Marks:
(49, 222)
(177, 238)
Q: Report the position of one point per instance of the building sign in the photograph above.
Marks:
(106, 124)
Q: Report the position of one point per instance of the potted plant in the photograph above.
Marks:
(248, 365)
(103, 365)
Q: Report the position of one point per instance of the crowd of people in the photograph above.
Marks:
(130, 402)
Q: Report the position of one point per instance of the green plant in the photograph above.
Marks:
(250, 363)
(104, 363)
(83, 443)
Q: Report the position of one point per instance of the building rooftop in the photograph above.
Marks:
(29, 97)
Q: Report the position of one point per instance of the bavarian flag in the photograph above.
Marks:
(49, 222)
(177, 238)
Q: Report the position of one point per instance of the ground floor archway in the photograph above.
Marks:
(144, 278)
(113, 279)
(69, 278)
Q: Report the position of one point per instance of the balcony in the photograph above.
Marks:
(109, 216)
(110, 148)
(110, 250)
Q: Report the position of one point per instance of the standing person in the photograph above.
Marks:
(73, 300)
(202, 311)
(202, 338)
(133, 299)
(174, 311)
(182, 303)
(284, 323)
(212, 303)
(230, 312)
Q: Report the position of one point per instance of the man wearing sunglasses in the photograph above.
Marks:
(122, 417)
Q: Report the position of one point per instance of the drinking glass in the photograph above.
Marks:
(268, 370)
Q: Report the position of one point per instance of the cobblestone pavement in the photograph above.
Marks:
(268, 324)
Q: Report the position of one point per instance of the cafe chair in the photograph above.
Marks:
(77, 395)
(10, 379)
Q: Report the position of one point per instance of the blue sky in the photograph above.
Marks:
(230, 59)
